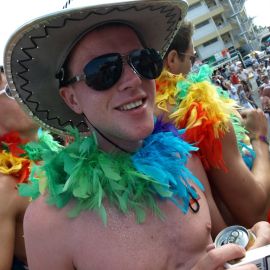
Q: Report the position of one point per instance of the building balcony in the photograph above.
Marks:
(209, 32)
(214, 11)
(204, 39)
(224, 28)
(191, 2)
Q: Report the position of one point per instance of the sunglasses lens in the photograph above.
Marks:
(104, 71)
(147, 63)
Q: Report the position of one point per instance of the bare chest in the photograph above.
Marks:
(173, 243)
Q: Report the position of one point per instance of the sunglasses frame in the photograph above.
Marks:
(125, 58)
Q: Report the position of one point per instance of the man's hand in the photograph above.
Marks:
(215, 258)
(262, 233)
(255, 122)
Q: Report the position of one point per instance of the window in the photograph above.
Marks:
(210, 42)
(200, 25)
(196, 5)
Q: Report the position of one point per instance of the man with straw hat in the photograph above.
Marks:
(120, 195)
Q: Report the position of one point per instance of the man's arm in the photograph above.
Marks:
(7, 239)
(8, 195)
(244, 192)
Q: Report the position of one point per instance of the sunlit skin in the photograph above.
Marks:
(11, 222)
(12, 118)
(179, 65)
(103, 108)
(12, 206)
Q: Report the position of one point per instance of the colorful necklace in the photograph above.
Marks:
(13, 158)
(131, 182)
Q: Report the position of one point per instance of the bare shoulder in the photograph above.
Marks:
(39, 211)
(10, 201)
(46, 233)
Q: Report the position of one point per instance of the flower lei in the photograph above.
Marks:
(85, 174)
(13, 158)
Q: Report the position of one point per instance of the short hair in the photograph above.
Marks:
(182, 38)
(1, 69)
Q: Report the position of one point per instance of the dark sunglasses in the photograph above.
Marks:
(102, 72)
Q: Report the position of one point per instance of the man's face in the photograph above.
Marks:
(185, 61)
(111, 111)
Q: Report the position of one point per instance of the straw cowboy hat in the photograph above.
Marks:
(36, 52)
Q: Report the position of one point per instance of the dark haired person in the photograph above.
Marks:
(191, 102)
(180, 55)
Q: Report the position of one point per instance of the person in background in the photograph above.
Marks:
(182, 101)
(245, 102)
(234, 78)
(265, 80)
(248, 93)
(232, 91)
(16, 128)
(180, 55)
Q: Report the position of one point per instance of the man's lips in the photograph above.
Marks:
(132, 105)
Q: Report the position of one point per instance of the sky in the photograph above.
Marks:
(259, 9)
(16, 12)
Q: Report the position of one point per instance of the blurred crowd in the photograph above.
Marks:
(249, 87)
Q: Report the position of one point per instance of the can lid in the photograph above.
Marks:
(234, 234)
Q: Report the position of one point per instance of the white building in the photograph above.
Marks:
(221, 28)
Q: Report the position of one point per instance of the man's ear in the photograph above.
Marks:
(69, 96)
(172, 60)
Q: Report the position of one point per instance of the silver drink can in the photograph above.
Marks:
(235, 235)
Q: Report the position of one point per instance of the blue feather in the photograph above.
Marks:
(164, 157)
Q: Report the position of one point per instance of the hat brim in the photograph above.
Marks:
(36, 52)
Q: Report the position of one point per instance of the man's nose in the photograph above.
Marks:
(130, 78)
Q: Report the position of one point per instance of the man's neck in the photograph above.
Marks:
(111, 144)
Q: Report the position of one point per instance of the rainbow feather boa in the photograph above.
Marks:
(84, 173)
(17, 156)
(13, 158)
(203, 109)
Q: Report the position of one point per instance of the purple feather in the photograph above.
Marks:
(161, 126)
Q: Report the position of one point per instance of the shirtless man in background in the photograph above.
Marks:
(12, 206)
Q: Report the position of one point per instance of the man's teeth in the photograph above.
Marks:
(131, 105)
